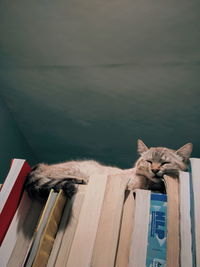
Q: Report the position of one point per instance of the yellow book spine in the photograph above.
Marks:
(47, 239)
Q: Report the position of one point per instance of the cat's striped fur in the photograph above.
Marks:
(147, 172)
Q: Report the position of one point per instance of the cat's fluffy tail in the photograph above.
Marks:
(39, 187)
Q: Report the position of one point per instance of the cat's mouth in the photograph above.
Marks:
(154, 177)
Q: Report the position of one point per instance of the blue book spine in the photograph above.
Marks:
(157, 232)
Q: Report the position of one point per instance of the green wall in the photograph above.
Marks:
(86, 79)
(12, 142)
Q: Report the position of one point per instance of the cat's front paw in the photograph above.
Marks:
(137, 183)
(132, 184)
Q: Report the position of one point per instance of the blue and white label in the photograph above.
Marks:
(157, 233)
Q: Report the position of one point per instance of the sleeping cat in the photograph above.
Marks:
(147, 172)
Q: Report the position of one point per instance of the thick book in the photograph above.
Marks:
(75, 205)
(40, 228)
(148, 242)
(11, 236)
(126, 230)
(185, 220)
(11, 192)
(50, 230)
(157, 231)
(105, 246)
(60, 234)
(25, 235)
(195, 184)
(83, 243)
(173, 221)
(139, 239)
(46, 230)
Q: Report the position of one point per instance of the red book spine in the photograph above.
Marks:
(13, 200)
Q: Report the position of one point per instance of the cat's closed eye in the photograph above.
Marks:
(149, 161)
(165, 162)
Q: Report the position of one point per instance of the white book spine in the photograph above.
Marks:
(84, 238)
(195, 165)
(138, 250)
(185, 220)
(10, 181)
(14, 228)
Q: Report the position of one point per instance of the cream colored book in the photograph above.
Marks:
(75, 207)
(105, 246)
(139, 239)
(60, 234)
(185, 220)
(84, 238)
(25, 234)
(11, 236)
(195, 168)
(126, 230)
(173, 222)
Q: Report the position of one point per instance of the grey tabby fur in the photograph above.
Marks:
(147, 172)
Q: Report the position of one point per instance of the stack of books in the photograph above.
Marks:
(103, 225)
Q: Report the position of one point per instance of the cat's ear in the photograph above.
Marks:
(141, 147)
(185, 151)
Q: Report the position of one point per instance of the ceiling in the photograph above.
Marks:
(86, 79)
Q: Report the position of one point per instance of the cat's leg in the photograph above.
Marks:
(70, 170)
(43, 178)
(138, 182)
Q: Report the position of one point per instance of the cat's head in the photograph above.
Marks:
(155, 162)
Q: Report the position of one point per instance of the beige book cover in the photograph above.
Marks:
(25, 235)
(195, 168)
(84, 237)
(126, 230)
(173, 221)
(105, 246)
(74, 206)
(139, 239)
(185, 220)
(11, 236)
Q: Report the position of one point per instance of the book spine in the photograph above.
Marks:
(13, 200)
(105, 246)
(195, 170)
(185, 220)
(126, 230)
(157, 233)
(88, 219)
(49, 233)
(139, 237)
(173, 221)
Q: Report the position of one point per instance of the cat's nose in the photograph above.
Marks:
(155, 170)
